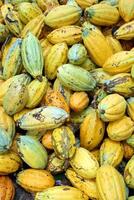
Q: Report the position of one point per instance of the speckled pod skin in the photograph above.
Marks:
(129, 173)
(7, 188)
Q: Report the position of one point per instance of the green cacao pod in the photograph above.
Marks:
(3, 32)
(32, 152)
(130, 140)
(32, 55)
(76, 78)
(47, 117)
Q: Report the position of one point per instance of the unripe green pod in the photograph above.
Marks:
(5, 141)
(3, 32)
(32, 152)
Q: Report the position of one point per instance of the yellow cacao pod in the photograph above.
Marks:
(69, 34)
(102, 14)
(129, 173)
(31, 150)
(109, 176)
(61, 193)
(114, 44)
(34, 180)
(88, 186)
(120, 129)
(7, 190)
(112, 107)
(47, 5)
(79, 101)
(96, 44)
(63, 141)
(63, 15)
(55, 98)
(111, 152)
(11, 19)
(122, 84)
(36, 91)
(91, 130)
(126, 9)
(27, 11)
(47, 117)
(130, 107)
(86, 3)
(119, 62)
(47, 139)
(125, 32)
(11, 58)
(84, 163)
(128, 151)
(56, 165)
(9, 163)
(56, 57)
(30, 26)
(7, 123)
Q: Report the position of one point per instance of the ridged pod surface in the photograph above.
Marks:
(75, 78)
(79, 101)
(111, 2)
(120, 62)
(47, 117)
(112, 107)
(18, 92)
(7, 123)
(27, 11)
(46, 46)
(47, 4)
(88, 64)
(18, 115)
(7, 190)
(111, 152)
(126, 9)
(55, 98)
(122, 84)
(114, 44)
(102, 14)
(130, 107)
(11, 59)
(56, 165)
(32, 56)
(91, 130)
(32, 152)
(56, 57)
(36, 91)
(125, 32)
(88, 186)
(11, 19)
(9, 163)
(34, 180)
(120, 129)
(110, 183)
(129, 173)
(86, 3)
(30, 26)
(68, 34)
(63, 141)
(63, 15)
(84, 163)
(61, 193)
(96, 44)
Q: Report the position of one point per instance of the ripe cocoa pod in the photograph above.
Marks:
(7, 190)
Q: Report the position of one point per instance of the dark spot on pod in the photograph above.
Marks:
(65, 189)
(114, 29)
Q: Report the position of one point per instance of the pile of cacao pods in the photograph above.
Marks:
(67, 99)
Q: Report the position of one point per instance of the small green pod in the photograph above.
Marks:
(32, 152)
